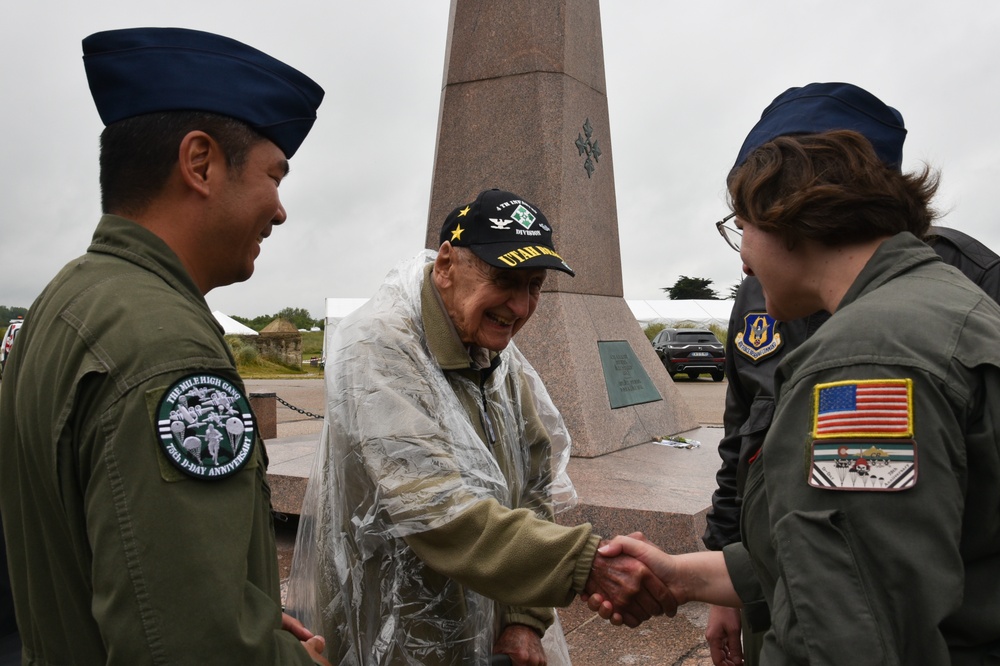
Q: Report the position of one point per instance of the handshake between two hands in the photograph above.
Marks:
(631, 580)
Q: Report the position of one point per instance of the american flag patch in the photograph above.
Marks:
(864, 408)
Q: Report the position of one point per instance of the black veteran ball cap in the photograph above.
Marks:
(146, 70)
(823, 107)
(505, 231)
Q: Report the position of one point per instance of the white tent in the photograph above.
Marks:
(230, 326)
(687, 312)
(338, 308)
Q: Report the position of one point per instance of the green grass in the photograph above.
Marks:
(251, 365)
(266, 369)
(312, 345)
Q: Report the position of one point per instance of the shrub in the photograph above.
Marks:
(652, 330)
(245, 353)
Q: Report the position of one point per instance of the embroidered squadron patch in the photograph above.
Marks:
(863, 436)
(864, 465)
(760, 337)
(205, 426)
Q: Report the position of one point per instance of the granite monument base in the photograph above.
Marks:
(661, 491)
(561, 342)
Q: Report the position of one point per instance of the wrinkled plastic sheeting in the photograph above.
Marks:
(398, 455)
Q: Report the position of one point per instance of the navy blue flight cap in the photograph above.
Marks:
(146, 70)
(822, 107)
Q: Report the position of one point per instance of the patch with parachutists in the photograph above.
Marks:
(863, 436)
(760, 337)
(205, 426)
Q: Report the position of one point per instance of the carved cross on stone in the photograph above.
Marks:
(591, 149)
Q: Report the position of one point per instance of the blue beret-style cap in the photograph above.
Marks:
(146, 70)
(822, 107)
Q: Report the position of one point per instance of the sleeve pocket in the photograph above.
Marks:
(822, 611)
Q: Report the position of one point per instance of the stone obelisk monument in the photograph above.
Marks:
(524, 108)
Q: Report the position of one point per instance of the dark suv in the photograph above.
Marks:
(692, 351)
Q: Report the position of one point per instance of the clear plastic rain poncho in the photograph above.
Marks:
(399, 455)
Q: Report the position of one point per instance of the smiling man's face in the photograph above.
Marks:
(251, 208)
(487, 305)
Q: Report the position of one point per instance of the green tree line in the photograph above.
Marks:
(298, 316)
(8, 312)
(696, 288)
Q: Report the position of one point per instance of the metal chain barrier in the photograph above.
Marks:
(296, 409)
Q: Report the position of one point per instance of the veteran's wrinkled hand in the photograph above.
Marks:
(624, 590)
(700, 576)
(522, 644)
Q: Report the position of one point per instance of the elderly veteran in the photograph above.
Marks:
(869, 533)
(427, 533)
(129, 542)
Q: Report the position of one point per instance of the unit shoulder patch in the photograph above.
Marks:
(205, 426)
(864, 465)
(863, 435)
(759, 338)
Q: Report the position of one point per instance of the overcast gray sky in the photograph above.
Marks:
(686, 81)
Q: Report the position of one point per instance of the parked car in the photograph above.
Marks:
(691, 350)
(8, 341)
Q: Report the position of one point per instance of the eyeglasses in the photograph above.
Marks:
(732, 235)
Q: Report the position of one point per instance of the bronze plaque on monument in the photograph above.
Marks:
(627, 381)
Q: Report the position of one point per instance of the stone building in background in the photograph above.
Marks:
(280, 341)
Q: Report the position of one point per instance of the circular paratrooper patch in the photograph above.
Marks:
(205, 426)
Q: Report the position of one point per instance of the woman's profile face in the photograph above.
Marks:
(786, 275)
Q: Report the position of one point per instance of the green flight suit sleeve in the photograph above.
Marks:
(747, 586)
(864, 575)
(184, 570)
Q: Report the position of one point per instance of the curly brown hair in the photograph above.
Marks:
(832, 188)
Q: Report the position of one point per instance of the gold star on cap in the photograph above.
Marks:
(464, 211)
(457, 233)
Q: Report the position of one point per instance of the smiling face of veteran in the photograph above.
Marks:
(487, 305)
(494, 255)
